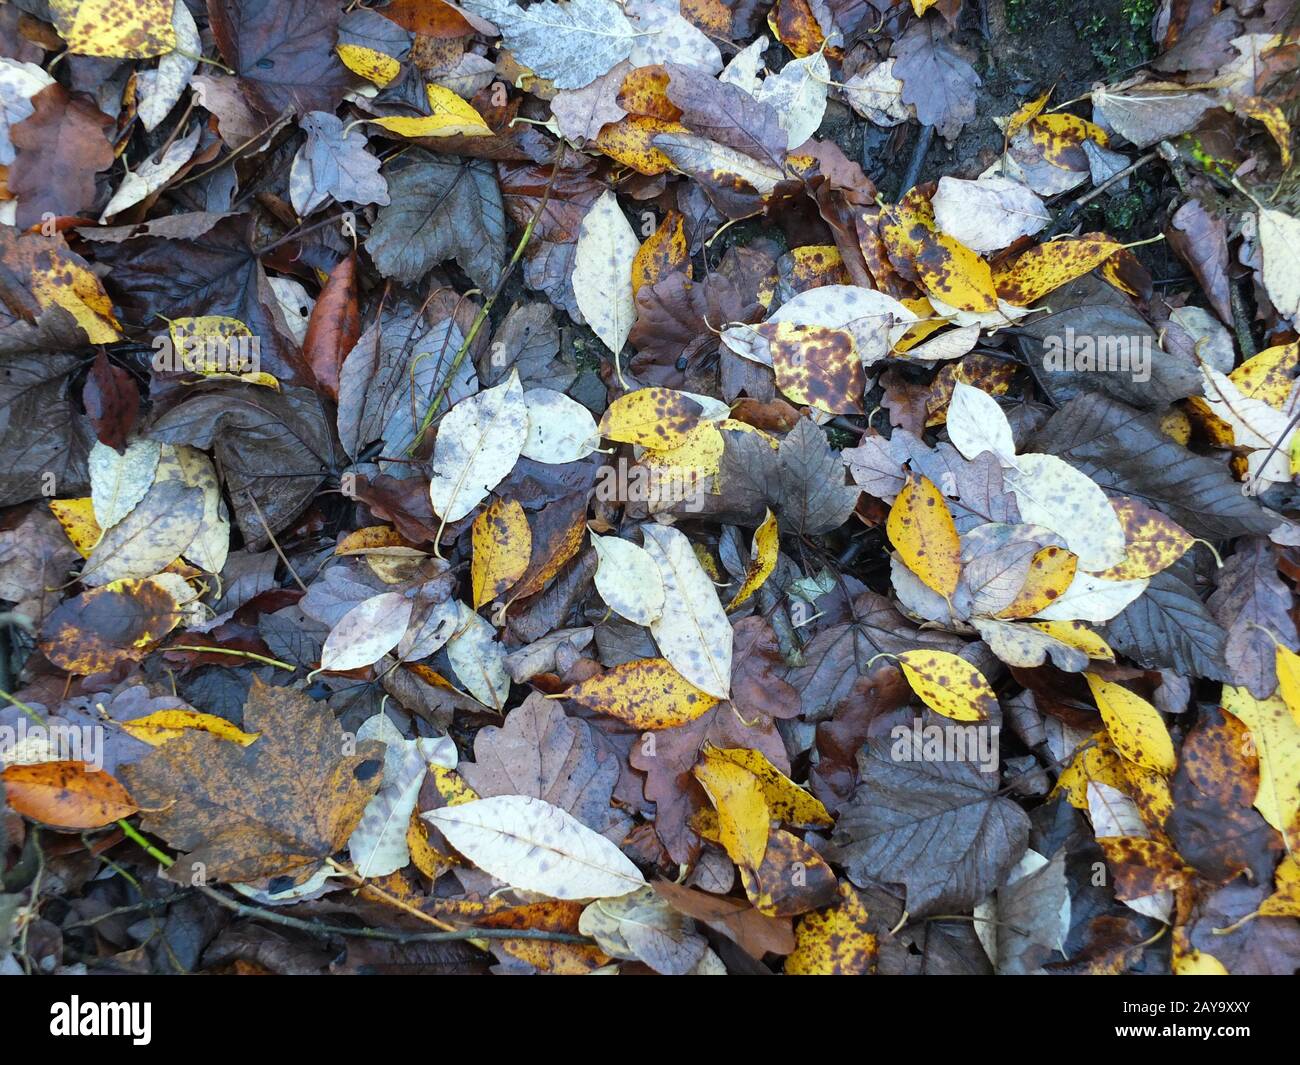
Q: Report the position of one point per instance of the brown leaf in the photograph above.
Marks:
(334, 326)
(61, 147)
(279, 806)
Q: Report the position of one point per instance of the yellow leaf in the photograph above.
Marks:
(1288, 678)
(1025, 113)
(834, 941)
(377, 540)
(451, 117)
(1095, 761)
(375, 67)
(743, 820)
(1077, 634)
(117, 29)
(157, 728)
(1274, 120)
(816, 365)
(1135, 726)
(948, 270)
(503, 544)
(922, 6)
(1050, 572)
(1192, 962)
(630, 141)
(77, 516)
(1276, 735)
(663, 252)
(657, 418)
(1047, 267)
(786, 801)
(763, 556)
(61, 279)
(1285, 900)
(948, 684)
(1153, 542)
(647, 693)
(921, 528)
(699, 455)
(1059, 135)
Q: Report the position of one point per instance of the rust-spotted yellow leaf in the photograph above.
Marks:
(948, 684)
(762, 560)
(817, 365)
(834, 941)
(646, 693)
(66, 794)
(451, 117)
(1275, 733)
(1024, 114)
(1047, 267)
(812, 266)
(123, 619)
(1285, 900)
(1153, 542)
(503, 544)
(1135, 726)
(1267, 377)
(115, 29)
(157, 728)
(921, 528)
(1050, 572)
(645, 92)
(77, 516)
(1077, 634)
(657, 418)
(786, 801)
(792, 878)
(1151, 792)
(210, 343)
(663, 252)
(1059, 137)
(59, 278)
(698, 456)
(1094, 761)
(630, 141)
(743, 819)
(375, 67)
(1274, 120)
(948, 270)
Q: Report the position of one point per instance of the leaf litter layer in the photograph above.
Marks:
(649, 487)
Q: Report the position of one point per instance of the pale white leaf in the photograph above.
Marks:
(1092, 599)
(560, 429)
(692, 630)
(478, 443)
(988, 214)
(119, 482)
(533, 845)
(479, 660)
(152, 175)
(1279, 246)
(663, 36)
(628, 579)
(160, 89)
(976, 424)
(1052, 493)
(602, 271)
(570, 43)
(367, 632)
(798, 95)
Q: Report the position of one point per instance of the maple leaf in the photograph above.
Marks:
(277, 807)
